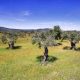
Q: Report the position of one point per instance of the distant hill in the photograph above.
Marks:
(4, 29)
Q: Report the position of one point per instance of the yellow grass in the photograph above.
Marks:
(22, 64)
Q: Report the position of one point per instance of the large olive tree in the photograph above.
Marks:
(43, 39)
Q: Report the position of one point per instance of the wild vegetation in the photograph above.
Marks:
(60, 51)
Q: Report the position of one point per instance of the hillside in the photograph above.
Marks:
(4, 29)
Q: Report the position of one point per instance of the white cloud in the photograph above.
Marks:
(26, 13)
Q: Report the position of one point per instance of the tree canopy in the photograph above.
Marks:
(57, 32)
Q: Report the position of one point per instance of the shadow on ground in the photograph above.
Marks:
(66, 48)
(50, 58)
(15, 47)
(78, 49)
(69, 48)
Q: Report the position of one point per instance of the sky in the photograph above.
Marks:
(36, 14)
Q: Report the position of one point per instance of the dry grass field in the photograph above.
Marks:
(23, 63)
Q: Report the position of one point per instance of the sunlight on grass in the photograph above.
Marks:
(22, 64)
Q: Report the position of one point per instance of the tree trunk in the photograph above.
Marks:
(73, 45)
(11, 44)
(39, 45)
(45, 53)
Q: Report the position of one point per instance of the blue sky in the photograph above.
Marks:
(34, 14)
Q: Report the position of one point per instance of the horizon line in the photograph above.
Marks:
(35, 29)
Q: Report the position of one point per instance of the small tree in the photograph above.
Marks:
(57, 32)
(4, 39)
(10, 39)
(11, 43)
(74, 38)
(45, 40)
(64, 36)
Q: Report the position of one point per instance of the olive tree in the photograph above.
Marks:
(57, 32)
(9, 38)
(64, 36)
(74, 39)
(12, 38)
(43, 39)
(4, 38)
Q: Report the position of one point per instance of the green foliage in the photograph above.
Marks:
(57, 28)
(74, 36)
(57, 32)
(7, 37)
(44, 38)
(4, 38)
(12, 36)
(71, 35)
(64, 36)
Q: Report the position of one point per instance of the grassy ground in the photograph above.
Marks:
(23, 63)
